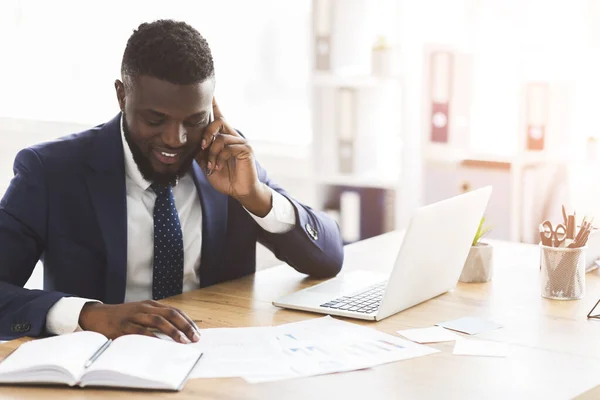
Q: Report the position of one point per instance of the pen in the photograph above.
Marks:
(571, 227)
(98, 353)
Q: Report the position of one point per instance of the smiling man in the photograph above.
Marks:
(165, 198)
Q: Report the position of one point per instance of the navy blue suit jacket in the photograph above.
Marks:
(66, 205)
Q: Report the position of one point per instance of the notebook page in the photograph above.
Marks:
(146, 358)
(69, 351)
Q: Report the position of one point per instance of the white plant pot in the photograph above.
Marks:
(479, 265)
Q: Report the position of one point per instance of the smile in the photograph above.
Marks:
(165, 157)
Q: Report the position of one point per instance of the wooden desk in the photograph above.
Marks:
(554, 352)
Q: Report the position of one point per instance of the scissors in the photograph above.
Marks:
(553, 236)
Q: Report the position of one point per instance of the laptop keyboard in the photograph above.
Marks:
(364, 302)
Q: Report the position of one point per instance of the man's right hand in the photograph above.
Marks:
(138, 318)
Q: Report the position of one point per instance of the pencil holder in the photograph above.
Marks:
(562, 272)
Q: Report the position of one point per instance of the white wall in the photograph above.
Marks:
(60, 65)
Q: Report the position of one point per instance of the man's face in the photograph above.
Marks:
(163, 124)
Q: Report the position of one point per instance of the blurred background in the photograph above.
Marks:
(365, 109)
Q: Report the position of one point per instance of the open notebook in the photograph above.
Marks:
(131, 361)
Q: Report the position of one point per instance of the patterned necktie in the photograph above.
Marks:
(167, 278)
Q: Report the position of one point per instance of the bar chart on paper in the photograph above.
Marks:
(327, 345)
(312, 347)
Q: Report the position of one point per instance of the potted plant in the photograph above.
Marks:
(479, 264)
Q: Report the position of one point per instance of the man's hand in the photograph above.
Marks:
(138, 318)
(228, 162)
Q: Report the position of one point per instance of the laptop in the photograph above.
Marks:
(430, 260)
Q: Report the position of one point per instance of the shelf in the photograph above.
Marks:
(443, 153)
(356, 81)
(363, 181)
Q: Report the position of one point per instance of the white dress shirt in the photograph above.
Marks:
(63, 316)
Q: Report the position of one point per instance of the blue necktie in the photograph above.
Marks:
(167, 277)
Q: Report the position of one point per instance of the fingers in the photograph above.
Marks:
(131, 328)
(219, 125)
(176, 319)
(182, 321)
(156, 321)
(189, 320)
(210, 133)
(236, 151)
(219, 146)
(155, 303)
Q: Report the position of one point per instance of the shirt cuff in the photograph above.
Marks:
(63, 316)
(281, 218)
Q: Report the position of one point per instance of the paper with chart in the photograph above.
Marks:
(312, 347)
(327, 345)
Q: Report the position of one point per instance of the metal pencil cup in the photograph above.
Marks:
(562, 272)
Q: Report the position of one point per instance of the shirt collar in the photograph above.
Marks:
(131, 169)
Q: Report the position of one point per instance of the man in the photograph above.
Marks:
(165, 198)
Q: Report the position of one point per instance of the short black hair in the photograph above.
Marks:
(168, 50)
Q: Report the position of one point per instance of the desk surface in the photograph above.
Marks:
(554, 352)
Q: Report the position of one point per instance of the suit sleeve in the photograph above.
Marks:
(313, 246)
(23, 216)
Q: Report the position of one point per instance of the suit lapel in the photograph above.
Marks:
(214, 226)
(106, 184)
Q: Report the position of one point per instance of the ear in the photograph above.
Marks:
(120, 90)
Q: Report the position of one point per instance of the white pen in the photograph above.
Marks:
(98, 353)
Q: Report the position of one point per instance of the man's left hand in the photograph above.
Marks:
(228, 163)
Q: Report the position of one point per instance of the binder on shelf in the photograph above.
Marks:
(461, 101)
(346, 129)
(374, 212)
(350, 216)
(389, 214)
(361, 212)
(536, 115)
(322, 20)
(441, 64)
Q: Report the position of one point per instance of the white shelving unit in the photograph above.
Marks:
(513, 202)
(355, 119)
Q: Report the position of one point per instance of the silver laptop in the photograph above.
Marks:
(429, 263)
